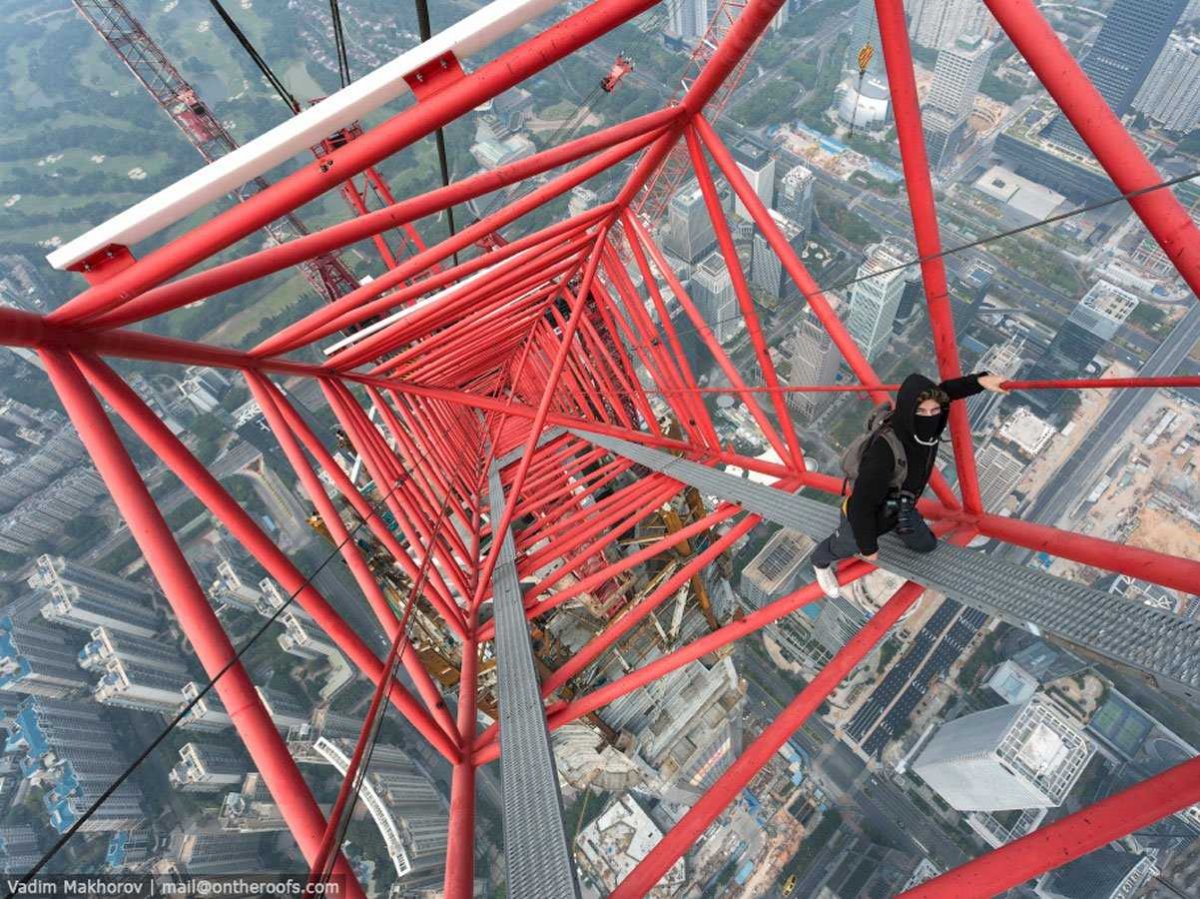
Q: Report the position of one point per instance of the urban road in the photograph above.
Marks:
(1068, 483)
(877, 799)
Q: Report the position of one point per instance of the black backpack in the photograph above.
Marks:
(879, 425)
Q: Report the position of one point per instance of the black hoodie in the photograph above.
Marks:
(866, 505)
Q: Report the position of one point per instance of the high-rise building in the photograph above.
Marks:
(999, 471)
(1171, 94)
(712, 292)
(1088, 330)
(38, 660)
(1003, 359)
(758, 165)
(18, 848)
(838, 621)
(301, 638)
(72, 751)
(1126, 48)
(937, 24)
(207, 714)
(766, 268)
(208, 768)
(689, 232)
(146, 687)
(251, 809)
(813, 361)
(107, 644)
(1011, 757)
(84, 598)
(236, 585)
(688, 19)
(216, 852)
(781, 17)
(796, 196)
(616, 842)
(777, 570)
(956, 78)
(1106, 873)
(285, 710)
(127, 849)
(874, 301)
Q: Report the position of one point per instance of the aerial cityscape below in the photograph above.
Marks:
(508, 518)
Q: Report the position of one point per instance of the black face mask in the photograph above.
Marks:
(925, 429)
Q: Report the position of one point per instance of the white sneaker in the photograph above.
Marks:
(827, 578)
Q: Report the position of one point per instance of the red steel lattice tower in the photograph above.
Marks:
(510, 413)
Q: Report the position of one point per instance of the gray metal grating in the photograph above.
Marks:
(536, 851)
(1152, 640)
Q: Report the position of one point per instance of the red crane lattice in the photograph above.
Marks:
(461, 370)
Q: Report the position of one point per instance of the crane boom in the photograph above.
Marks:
(659, 189)
(328, 275)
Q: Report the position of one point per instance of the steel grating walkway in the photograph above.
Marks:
(1152, 640)
(537, 855)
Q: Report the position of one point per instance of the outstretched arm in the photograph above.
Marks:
(969, 385)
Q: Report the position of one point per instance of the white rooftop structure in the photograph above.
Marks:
(613, 845)
(1011, 757)
(1027, 431)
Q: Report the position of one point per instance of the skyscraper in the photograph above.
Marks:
(18, 848)
(766, 268)
(796, 196)
(874, 301)
(216, 853)
(145, 687)
(777, 570)
(688, 19)
(251, 809)
(73, 752)
(758, 165)
(712, 292)
(84, 598)
(208, 767)
(956, 78)
(937, 24)
(1011, 757)
(689, 232)
(999, 471)
(37, 659)
(1130, 41)
(1171, 94)
(814, 360)
(1090, 327)
(1003, 359)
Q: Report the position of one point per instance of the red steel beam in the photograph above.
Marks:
(1069, 838)
(209, 491)
(195, 616)
(1120, 156)
(902, 81)
(741, 289)
(320, 176)
(804, 281)
(705, 810)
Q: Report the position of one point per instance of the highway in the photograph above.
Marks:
(1070, 481)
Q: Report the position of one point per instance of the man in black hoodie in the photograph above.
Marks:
(875, 506)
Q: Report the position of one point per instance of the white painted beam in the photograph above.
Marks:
(295, 136)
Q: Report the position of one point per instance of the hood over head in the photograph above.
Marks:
(905, 413)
